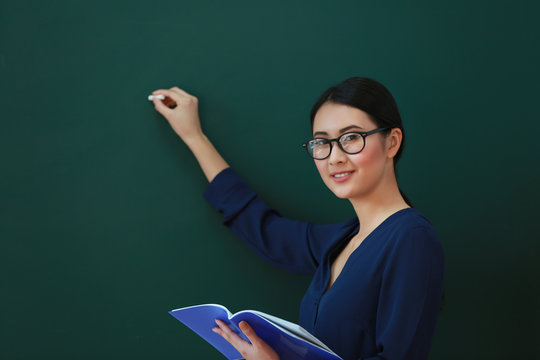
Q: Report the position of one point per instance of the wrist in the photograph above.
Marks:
(196, 140)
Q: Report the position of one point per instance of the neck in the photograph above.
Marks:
(374, 207)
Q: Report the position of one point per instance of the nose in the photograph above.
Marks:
(337, 155)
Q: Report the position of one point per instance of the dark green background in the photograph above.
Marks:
(103, 225)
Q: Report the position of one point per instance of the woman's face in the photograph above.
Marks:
(350, 176)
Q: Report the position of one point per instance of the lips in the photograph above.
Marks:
(341, 176)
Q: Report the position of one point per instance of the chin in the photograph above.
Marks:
(342, 193)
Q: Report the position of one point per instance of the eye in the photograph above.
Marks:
(350, 137)
(318, 142)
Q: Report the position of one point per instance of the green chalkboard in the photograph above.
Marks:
(103, 225)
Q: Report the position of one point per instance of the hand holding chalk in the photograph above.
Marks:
(169, 102)
(184, 119)
(181, 111)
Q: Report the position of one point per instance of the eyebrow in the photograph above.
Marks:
(340, 131)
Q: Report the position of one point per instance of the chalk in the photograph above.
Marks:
(160, 97)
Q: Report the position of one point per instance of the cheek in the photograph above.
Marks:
(321, 168)
(369, 157)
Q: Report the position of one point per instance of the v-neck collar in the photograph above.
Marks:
(339, 246)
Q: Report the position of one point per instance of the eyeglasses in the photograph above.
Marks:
(350, 143)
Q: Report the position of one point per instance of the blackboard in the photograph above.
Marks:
(103, 225)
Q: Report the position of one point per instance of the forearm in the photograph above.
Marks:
(210, 161)
(181, 111)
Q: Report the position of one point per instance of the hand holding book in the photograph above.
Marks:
(255, 349)
(252, 334)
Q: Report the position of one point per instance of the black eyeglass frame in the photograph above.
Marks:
(363, 134)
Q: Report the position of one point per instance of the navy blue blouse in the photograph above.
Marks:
(384, 303)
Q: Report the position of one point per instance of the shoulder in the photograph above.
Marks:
(409, 222)
(412, 232)
(409, 232)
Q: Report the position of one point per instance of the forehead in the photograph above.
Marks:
(333, 116)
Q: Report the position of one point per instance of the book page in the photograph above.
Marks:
(290, 328)
(229, 314)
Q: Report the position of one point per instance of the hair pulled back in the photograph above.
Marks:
(374, 99)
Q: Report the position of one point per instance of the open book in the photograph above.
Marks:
(289, 340)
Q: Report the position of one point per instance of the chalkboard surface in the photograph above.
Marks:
(103, 225)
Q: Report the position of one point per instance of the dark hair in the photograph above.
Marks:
(373, 98)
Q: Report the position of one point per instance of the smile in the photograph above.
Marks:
(342, 176)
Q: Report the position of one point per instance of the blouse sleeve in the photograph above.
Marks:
(290, 244)
(410, 296)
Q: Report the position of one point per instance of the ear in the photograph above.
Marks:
(393, 142)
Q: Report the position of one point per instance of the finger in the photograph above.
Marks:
(169, 102)
(249, 332)
(239, 344)
(168, 93)
(231, 336)
(184, 94)
(161, 107)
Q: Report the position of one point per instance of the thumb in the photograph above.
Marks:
(161, 107)
(249, 332)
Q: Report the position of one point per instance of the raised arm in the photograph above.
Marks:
(290, 244)
(182, 112)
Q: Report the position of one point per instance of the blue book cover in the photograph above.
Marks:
(289, 340)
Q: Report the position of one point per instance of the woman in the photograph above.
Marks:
(378, 277)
